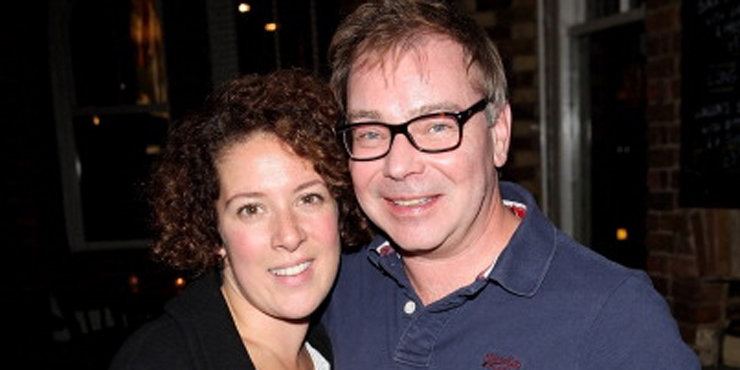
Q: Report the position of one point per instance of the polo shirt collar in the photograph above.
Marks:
(522, 265)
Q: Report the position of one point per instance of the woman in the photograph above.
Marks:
(250, 190)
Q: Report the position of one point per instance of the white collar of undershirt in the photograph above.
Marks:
(319, 362)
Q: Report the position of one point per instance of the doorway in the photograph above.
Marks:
(614, 90)
(595, 123)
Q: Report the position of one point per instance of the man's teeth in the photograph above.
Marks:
(293, 270)
(411, 202)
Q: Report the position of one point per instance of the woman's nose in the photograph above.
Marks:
(289, 233)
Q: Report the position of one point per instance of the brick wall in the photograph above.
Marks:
(513, 27)
(689, 249)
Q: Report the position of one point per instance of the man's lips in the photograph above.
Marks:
(410, 201)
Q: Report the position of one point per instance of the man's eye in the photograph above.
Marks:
(368, 134)
(440, 127)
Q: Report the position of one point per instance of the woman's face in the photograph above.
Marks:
(278, 224)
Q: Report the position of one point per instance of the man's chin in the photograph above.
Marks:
(410, 247)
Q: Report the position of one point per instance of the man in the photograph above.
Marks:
(467, 272)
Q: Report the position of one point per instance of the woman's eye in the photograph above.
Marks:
(249, 210)
(312, 198)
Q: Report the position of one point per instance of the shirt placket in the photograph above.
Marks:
(424, 325)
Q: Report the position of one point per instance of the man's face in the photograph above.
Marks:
(431, 204)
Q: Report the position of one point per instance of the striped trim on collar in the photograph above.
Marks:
(519, 209)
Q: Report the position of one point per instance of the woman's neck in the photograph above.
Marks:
(272, 343)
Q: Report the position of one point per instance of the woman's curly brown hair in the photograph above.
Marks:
(292, 105)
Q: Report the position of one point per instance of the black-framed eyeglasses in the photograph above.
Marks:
(429, 133)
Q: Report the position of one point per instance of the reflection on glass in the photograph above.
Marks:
(146, 35)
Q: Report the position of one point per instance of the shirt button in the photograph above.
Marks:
(409, 307)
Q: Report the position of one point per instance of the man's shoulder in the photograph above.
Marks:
(581, 279)
(578, 263)
(600, 282)
(623, 318)
(562, 266)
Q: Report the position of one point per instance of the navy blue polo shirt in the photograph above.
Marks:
(547, 303)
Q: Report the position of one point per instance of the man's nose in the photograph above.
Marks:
(402, 159)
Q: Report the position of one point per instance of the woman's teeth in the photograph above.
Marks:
(293, 270)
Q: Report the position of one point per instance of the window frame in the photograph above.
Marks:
(65, 110)
(565, 134)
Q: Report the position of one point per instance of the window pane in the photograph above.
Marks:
(256, 44)
(117, 53)
(602, 8)
(295, 42)
(616, 92)
(116, 152)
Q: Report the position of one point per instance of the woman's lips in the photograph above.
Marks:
(291, 270)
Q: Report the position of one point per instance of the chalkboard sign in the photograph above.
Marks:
(710, 112)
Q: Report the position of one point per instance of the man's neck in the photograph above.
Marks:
(433, 276)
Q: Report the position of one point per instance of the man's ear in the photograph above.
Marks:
(501, 135)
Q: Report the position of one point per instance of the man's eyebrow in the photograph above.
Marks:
(363, 114)
(424, 109)
(438, 107)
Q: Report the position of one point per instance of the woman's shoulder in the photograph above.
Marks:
(158, 344)
(318, 338)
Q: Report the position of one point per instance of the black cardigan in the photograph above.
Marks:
(196, 332)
